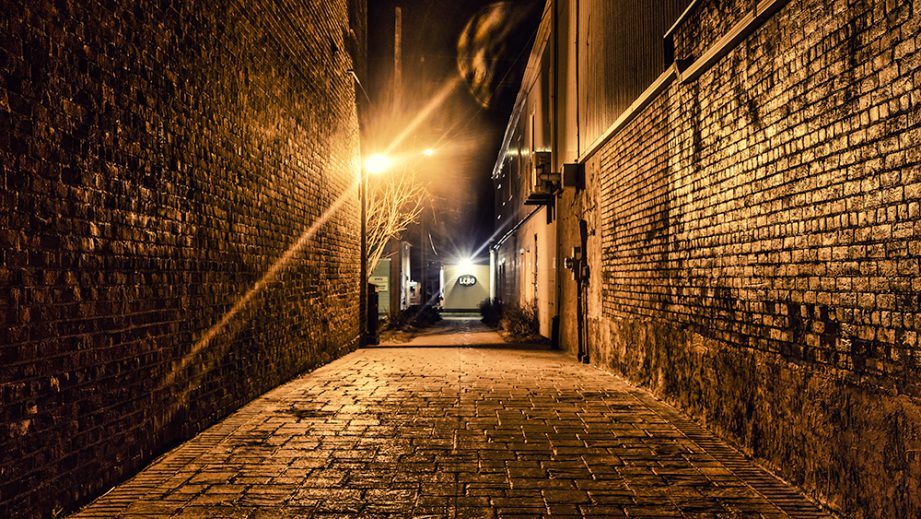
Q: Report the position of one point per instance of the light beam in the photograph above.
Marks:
(273, 271)
(425, 112)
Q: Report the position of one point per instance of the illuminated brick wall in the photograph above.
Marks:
(156, 158)
(757, 245)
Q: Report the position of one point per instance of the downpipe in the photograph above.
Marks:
(578, 264)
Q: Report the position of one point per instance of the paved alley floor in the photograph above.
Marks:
(458, 431)
(454, 330)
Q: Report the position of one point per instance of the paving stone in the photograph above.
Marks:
(448, 432)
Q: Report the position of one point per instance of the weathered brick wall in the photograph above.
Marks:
(156, 158)
(760, 239)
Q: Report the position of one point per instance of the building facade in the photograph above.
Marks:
(525, 256)
(466, 285)
(391, 277)
(731, 210)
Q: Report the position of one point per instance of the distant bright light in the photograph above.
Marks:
(428, 152)
(465, 265)
(377, 163)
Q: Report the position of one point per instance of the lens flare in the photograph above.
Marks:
(465, 265)
(484, 45)
(439, 99)
(206, 352)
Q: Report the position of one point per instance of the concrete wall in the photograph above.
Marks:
(465, 297)
(156, 159)
(756, 245)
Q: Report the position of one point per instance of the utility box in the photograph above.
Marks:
(574, 175)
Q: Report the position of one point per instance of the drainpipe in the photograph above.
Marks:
(581, 274)
(555, 160)
(582, 267)
(578, 120)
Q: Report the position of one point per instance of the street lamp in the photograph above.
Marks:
(374, 164)
(377, 163)
(465, 265)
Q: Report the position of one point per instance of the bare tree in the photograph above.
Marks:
(396, 200)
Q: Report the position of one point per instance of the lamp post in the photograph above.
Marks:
(363, 261)
(374, 164)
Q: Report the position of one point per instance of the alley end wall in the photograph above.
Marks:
(757, 243)
(156, 160)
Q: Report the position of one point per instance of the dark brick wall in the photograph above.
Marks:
(759, 240)
(156, 158)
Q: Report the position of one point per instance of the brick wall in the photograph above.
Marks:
(759, 234)
(156, 158)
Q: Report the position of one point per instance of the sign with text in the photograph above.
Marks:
(466, 280)
(382, 282)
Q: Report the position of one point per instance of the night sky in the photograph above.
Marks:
(465, 133)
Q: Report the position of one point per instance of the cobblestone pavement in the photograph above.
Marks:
(454, 432)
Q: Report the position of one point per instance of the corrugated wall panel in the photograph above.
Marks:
(620, 53)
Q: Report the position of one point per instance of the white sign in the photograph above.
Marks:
(466, 280)
(382, 282)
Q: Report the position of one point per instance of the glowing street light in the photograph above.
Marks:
(465, 265)
(378, 163)
(428, 152)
